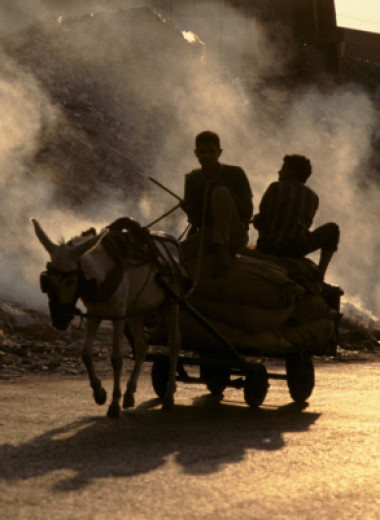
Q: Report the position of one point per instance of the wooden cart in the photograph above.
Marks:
(239, 365)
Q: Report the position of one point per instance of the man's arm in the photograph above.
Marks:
(261, 220)
(191, 205)
(310, 203)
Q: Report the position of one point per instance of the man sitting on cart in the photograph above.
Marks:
(286, 213)
(218, 204)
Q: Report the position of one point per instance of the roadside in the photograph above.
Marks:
(29, 344)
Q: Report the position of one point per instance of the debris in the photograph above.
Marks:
(38, 347)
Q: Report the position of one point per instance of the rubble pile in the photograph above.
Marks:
(28, 343)
(359, 334)
(105, 73)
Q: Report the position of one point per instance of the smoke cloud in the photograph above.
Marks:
(258, 124)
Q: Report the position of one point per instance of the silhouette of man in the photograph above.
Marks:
(286, 213)
(218, 204)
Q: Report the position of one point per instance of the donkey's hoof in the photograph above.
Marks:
(128, 400)
(113, 411)
(168, 403)
(100, 395)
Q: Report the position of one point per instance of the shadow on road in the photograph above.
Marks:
(201, 439)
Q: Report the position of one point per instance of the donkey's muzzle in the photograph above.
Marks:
(61, 314)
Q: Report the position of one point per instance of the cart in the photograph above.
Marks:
(239, 364)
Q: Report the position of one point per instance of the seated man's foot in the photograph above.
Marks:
(221, 262)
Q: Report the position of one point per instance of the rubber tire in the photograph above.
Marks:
(160, 375)
(300, 376)
(216, 378)
(256, 384)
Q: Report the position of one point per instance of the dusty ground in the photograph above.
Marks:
(61, 458)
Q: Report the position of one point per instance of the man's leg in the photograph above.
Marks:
(191, 245)
(229, 234)
(325, 238)
(227, 227)
(226, 235)
(325, 258)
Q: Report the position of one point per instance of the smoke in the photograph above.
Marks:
(183, 95)
(24, 108)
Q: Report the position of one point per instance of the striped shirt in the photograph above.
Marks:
(286, 213)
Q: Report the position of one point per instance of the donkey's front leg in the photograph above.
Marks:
(118, 332)
(172, 318)
(141, 346)
(100, 394)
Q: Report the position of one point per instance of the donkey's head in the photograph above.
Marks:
(61, 280)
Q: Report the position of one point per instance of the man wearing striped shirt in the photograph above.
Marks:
(286, 213)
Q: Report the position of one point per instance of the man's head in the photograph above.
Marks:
(207, 149)
(295, 167)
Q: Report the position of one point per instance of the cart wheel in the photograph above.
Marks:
(160, 375)
(216, 378)
(300, 374)
(256, 384)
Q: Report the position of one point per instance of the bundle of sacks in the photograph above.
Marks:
(263, 305)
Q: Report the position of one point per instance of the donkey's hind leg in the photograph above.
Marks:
(118, 332)
(100, 394)
(141, 346)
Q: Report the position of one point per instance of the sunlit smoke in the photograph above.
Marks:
(258, 125)
(190, 36)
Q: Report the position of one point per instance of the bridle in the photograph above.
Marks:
(50, 282)
(46, 284)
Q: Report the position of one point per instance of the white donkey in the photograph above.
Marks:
(83, 262)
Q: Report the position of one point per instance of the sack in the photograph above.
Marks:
(249, 281)
(195, 336)
(310, 308)
(250, 319)
(302, 270)
(315, 337)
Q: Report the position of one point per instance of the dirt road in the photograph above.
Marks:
(61, 458)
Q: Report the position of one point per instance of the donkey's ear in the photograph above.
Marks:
(85, 247)
(43, 238)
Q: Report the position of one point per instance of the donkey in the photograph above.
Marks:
(83, 264)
